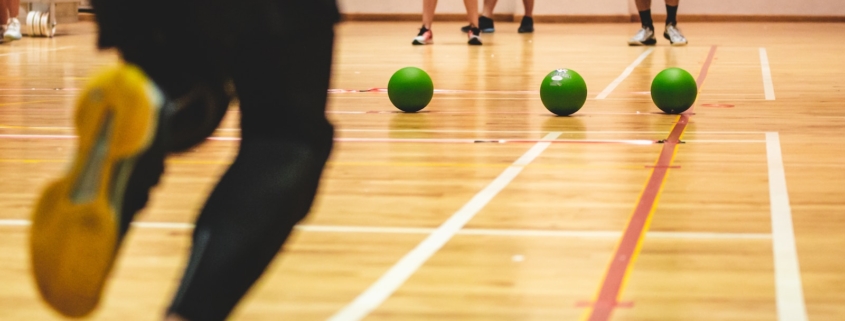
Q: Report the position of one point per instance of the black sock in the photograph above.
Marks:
(645, 17)
(671, 15)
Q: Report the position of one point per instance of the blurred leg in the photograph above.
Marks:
(472, 11)
(529, 7)
(286, 140)
(14, 8)
(489, 5)
(428, 12)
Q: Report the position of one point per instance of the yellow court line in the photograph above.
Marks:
(646, 227)
(588, 312)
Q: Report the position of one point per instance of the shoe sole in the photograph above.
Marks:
(11, 38)
(676, 44)
(75, 225)
(646, 43)
(487, 30)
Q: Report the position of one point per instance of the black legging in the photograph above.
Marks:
(280, 67)
(273, 180)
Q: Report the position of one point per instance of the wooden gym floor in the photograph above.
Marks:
(487, 207)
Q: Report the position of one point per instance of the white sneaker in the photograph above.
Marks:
(674, 35)
(425, 37)
(13, 30)
(643, 37)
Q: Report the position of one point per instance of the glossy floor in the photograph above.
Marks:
(485, 206)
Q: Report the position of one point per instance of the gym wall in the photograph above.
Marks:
(608, 10)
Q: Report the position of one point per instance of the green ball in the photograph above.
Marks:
(563, 92)
(410, 89)
(674, 90)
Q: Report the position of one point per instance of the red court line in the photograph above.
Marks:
(626, 251)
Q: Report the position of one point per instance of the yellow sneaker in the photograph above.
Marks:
(80, 219)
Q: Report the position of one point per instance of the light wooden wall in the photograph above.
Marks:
(611, 7)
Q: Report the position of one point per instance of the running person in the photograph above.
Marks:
(645, 36)
(169, 94)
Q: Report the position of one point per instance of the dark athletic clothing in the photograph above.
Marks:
(277, 56)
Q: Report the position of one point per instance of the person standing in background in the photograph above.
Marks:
(485, 21)
(645, 36)
(9, 10)
(425, 36)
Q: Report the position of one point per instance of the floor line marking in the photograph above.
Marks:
(387, 130)
(34, 51)
(607, 90)
(788, 288)
(32, 102)
(403, 140)
(465, 231)
(630, 244)
(768, 86)
(447, 140)
(388, 283)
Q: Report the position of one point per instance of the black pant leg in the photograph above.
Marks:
(286, 140)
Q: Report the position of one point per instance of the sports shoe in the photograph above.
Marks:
(526, 26)
(474, 36)
(13, 30)
(643, 37)
(484, 23)
(81, 218)
(674, 35)
(425, 37)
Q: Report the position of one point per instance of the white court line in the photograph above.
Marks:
(709, 235)
(725, 141)
(465, 231)
(608, 132)
(365, 229)
(387, 130)
(789, 292)
(34, 51)
(767, 75)
(15, 223)
(402, 270)
(497, 131)
(604, 93)
(164, 225)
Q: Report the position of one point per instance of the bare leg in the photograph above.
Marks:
(428, 12)
(643, 5)
(15, 6)
(472, 11)
(489, 5)
(4, 13)
(673, 3)
(529, 7)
